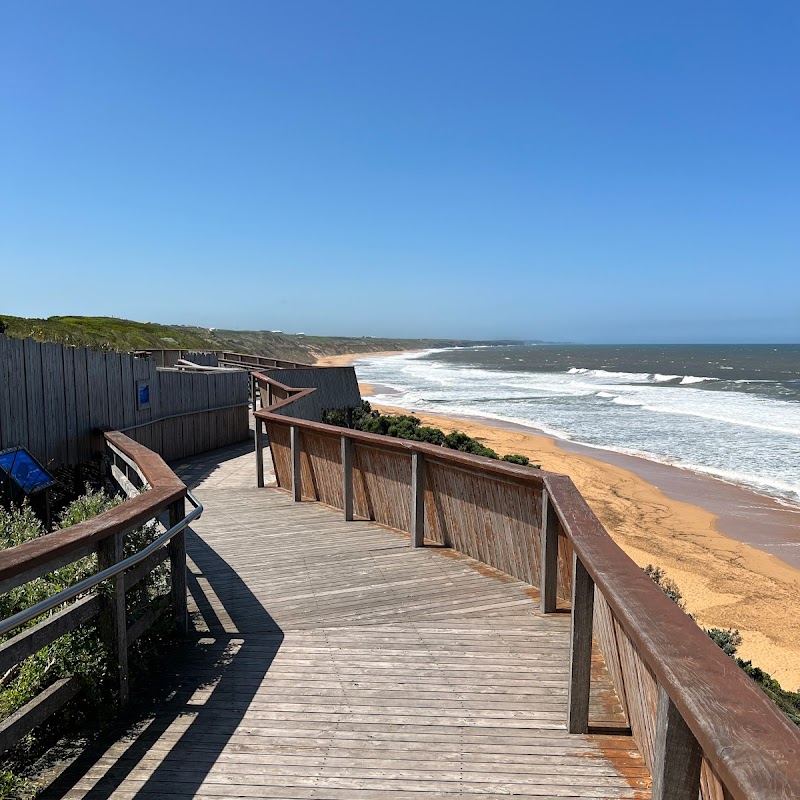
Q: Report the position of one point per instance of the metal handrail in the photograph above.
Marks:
(21, 617)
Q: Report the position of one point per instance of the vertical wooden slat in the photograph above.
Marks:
(98, 390)
(128, 387)
(17, 394)
(259, 444)
(10, 384)
(417, 526)
(347, 477)
(177, 561)
(83, 417)
(70, 413)
(113, 621)
(295, 438)
(54, 404)
(116, 407)
(34, 399)
(676, 771)
(580, 648)
(548, 583)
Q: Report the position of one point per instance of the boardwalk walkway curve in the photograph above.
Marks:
(330, 660)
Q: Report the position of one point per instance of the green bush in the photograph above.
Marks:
(406, 426)
(729, 640)
(667, 585)
(83, 651)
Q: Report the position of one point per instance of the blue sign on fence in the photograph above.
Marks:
(143, 394)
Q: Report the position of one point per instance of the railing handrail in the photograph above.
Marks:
(223, 355)
(506, 469)
(744, 740)
(706, 700)
(165, 489)
(71, 592)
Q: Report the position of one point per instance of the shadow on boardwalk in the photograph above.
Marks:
(203, 677)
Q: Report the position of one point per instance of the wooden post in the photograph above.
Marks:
(269, 396)
(113, 619)
(347, 477)
(678, 757)
(548, 584)
(177, 564)
(259, 453)
(296, 445)
(253, 390)
(417, 499)
(580, 648)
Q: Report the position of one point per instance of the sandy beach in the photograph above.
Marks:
(728, 581)
(345, 359)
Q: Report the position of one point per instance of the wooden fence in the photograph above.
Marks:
(704, 727)
(333, 387)
(52, 397)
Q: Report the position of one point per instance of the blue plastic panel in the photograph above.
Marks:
(26, 472)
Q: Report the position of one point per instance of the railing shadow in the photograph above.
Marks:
(211, 680)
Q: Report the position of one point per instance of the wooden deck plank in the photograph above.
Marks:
(331, 660)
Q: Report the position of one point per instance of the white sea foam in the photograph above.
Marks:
(695, 379)
(734, 435)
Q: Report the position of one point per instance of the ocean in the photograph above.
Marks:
(731, 411)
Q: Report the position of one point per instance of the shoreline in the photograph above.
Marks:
(733, 552)
(347, 359)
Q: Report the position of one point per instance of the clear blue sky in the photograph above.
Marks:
(589, 171)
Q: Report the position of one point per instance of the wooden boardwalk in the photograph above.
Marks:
(331, 661)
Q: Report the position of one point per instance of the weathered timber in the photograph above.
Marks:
(54, 396)
(417, 525)
(548, 582)
(113, 624)
(296, 444)
(347, 478)
(177, 562)
(580, 654)
(676, 772)
(34, 713)
(16, 650)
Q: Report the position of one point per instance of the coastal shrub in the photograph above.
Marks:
(516, 458)
(348, 417)
(407, 426)
(729, 640)
(667, 585)
(82, 652)
(16, 786)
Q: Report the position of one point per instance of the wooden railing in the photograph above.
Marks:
(248, 361)
(704, 727)
(154, 493)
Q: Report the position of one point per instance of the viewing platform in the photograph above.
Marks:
(330, 660)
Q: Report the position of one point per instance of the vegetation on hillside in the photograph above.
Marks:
(729, 641)
(124, 335)
(405, 426)
(107, 333)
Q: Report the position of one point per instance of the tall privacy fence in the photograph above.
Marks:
(704, 728)
(53, 397)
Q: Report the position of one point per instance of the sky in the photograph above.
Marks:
(566, 171)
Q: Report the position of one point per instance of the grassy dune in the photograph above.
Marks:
(124, 335)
